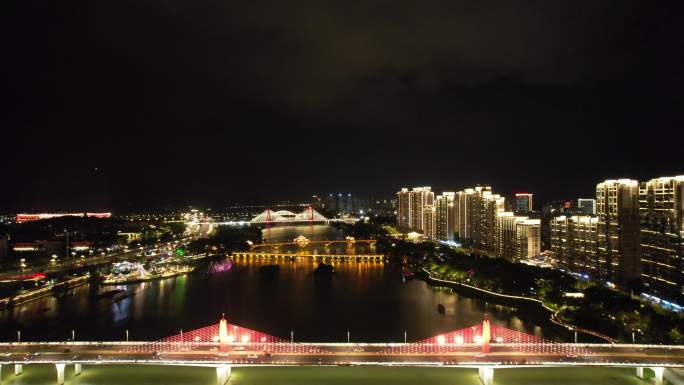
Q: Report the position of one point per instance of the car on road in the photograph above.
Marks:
(480, 355)
(223, 354)
(252, 356)
(359, 350)
(239, 348)
(571, 355)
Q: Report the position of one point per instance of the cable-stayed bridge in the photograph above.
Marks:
(484, 347)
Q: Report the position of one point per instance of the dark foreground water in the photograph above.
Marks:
(370, 300)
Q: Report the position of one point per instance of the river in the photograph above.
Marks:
(368, 299)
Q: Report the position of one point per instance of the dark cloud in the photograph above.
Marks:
(360, 96)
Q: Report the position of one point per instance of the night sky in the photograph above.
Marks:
(149, 104)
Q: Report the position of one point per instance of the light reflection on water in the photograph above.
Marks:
(368, 298)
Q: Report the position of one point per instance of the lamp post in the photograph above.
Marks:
(404, 336)
(18, 335)
(73, 335)
(126, 335)
(291, 336)
(347, 336)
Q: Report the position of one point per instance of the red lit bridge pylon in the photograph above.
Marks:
(227, 337)
(484, 338)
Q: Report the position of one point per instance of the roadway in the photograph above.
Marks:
(501, 355)
(96, 259)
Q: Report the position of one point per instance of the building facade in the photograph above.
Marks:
(523, 203)
(476, 214)
(444, 216)
(617, 208)
(661, 213)
(517, 237)
(586, 206)
(416, 210)
(404, 208)
(574, 244)
(528, 238)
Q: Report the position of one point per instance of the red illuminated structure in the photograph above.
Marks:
(23, 218)
(484, 336)
(23, 277)
(224, 334)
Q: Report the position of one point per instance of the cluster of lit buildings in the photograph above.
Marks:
(635, 235)
(476, 217)
(23, 218)
(630, 233)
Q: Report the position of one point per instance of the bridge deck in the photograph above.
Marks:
(501, 355)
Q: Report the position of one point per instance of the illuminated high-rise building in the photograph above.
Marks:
(416, 210)
(422, 201)
(476, 217)
(506, 234)
(617, 207)
(404, 208)
(661, 209)
(444, 216)
(528, 238)
(586, 206)
(463, 213)
(517, 237)
(523, 203)
(574, 244)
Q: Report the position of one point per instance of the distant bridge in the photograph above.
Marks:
(285, 216)
(302, 250)
(313, 256)
(309, 215)
(485, 347)
(326, 243)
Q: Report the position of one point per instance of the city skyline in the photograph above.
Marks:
(390, 191)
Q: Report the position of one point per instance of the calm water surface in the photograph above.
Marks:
(368, 299)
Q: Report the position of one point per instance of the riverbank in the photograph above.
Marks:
(530, 304)
(138, 279)
(47, 290)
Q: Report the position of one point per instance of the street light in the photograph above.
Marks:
(126, 335)
(73, 335)
(347, 336)
(18, 335)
